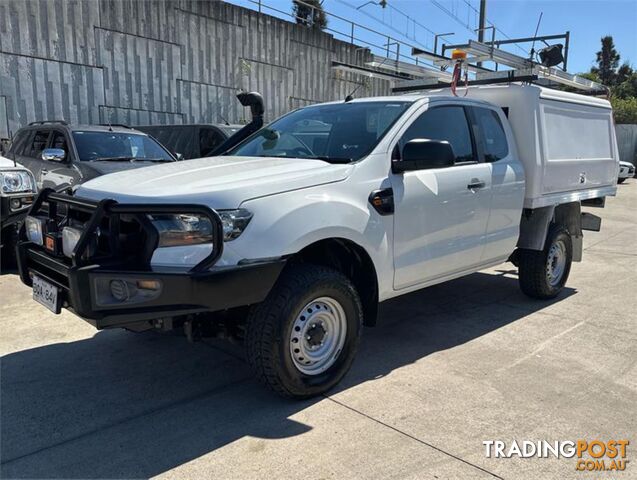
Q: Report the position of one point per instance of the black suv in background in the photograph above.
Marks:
(61, 156)
(190, 141)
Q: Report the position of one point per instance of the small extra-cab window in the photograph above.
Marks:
(493, 137)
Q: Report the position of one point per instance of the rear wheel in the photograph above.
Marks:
(544, 273)
(303, 338)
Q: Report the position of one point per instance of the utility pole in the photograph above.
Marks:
(481, 27)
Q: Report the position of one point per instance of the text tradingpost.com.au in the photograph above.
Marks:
(591, 455)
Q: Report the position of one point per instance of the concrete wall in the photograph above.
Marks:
(161, 61)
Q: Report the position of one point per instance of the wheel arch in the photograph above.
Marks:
(535, 224)
(353, 261)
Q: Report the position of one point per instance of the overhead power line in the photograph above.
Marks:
(494, 25)
(389, 26)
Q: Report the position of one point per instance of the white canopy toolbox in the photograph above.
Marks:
(566, 141)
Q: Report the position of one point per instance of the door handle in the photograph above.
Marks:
(476, 184)
(44, 171)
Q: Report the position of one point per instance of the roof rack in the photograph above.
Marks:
(504, 77)
(121, 125)
(346, 67)
(44, 122)
(522, 70)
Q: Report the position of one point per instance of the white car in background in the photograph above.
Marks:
(626, 170)
(17, 190)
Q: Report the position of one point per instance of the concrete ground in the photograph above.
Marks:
(446, 369)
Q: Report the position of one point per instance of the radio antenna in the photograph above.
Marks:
(535, 36)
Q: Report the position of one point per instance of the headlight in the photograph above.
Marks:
(234, 222)
(187, 229)
(182, 229)
(16, 181)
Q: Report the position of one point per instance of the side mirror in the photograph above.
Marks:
(53, 155)
(179, 156)
(422, 153)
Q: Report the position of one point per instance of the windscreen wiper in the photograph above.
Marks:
(114, 159)
(131, 159)
(316, 157)
(330, 159)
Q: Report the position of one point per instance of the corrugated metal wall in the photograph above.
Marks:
(627, 142)
(161, 61)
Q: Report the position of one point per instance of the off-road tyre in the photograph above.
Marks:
(269, 327)
(533, 265)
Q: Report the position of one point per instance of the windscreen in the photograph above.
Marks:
(93, 146)
(338, 133)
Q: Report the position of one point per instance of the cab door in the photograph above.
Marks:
(441, 214)
(507, 181)
(59, 175)
(29, 154)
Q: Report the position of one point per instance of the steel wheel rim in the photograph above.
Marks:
(556, 263)
(318, 335)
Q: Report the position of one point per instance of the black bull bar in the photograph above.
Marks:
(200, 288)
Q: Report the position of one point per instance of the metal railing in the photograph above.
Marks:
(350, 31)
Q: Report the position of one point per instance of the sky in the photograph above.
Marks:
(414, 22)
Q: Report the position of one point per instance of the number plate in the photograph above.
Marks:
(46, 294)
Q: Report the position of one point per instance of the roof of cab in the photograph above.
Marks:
(84, 128)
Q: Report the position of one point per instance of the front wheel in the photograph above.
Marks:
(544, 273)
(621, 180)
(303, 338)
(7, 253)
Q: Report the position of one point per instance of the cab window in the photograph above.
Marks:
(492, 134)
(40, 139)
(209, 139)
(19, 142)
(59, 141)
(444, 123)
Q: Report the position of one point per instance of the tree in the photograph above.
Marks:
(310, 13)
(624, 73)
(607, 62)
(628, 88)
(624, 110)
(622, 82)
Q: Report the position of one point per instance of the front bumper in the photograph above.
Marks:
(203, 288)
(182, 292)
(11, 216)
(626, 172)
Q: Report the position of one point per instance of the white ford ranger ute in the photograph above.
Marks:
(310, 222)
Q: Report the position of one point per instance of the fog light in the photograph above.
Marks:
(70, 237)
(15, 204)
(125, 291)
(34, 228)
(122, 290)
